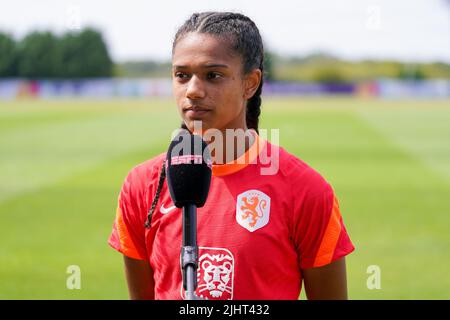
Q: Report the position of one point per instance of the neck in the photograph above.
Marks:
(230, 144)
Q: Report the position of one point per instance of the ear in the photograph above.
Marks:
(251, 82)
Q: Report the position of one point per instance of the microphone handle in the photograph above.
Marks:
(189, 251)
(191, 283)
(190, 226)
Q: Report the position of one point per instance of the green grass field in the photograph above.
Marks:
(62, 164)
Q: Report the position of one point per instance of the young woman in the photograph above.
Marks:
(259, 235)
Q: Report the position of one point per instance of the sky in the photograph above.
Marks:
(414, 30)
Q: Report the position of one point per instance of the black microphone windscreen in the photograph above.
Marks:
(188, 170)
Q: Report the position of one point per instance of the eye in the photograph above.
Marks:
(181, 75)
(214, 75)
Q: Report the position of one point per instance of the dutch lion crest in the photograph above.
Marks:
(253, 209)
(215, 274)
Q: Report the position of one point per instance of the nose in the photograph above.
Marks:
(216, 276)
(195, 88)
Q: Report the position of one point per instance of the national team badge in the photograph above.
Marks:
(215, 274)
(253, 209)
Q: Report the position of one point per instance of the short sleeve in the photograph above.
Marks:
(320, 234)
(128, 233)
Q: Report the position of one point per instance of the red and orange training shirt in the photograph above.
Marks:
(255, 232)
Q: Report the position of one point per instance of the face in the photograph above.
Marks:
(209, 84)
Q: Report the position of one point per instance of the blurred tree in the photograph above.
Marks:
(83, 55)
(327, 74)
(8, 56)
(269, 60)
(36, 55)
(155, 69)
(411, 72)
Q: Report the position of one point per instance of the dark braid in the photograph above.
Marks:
(254, 106)
(162, 177)
(244, 38)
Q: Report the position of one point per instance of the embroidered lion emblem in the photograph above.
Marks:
(215, 274)
(253, 209)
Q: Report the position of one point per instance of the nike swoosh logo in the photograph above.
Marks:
(166, 210)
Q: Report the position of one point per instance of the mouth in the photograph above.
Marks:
(195, 112)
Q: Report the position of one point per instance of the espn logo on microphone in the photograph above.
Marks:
(188, 159)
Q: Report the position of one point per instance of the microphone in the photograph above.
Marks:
(188, 172)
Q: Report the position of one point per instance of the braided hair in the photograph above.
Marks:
(243, 36)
